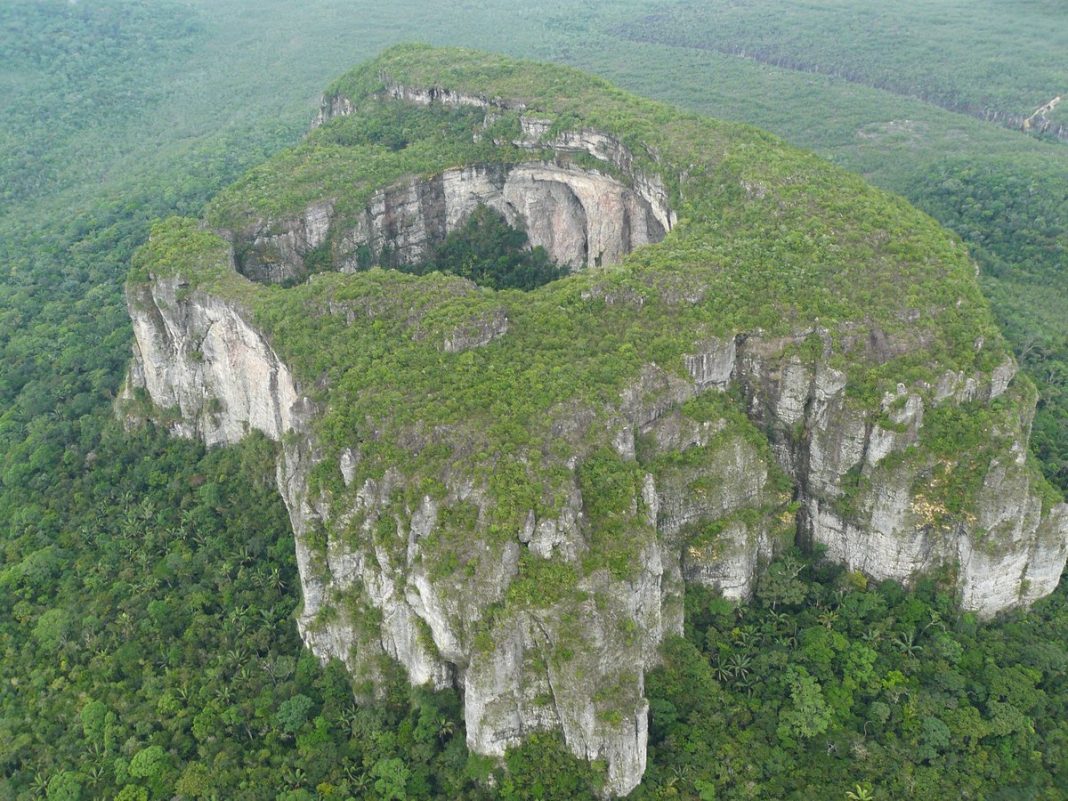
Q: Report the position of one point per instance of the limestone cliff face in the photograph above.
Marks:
(872, 509)
(537, 563)
(199, 358)
(582, 217)
(578, 666)
(574, 664)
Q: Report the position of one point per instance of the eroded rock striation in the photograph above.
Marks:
(508, 492)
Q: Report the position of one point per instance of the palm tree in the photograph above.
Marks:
(872, 636)
(861, 792)
(39, 785)
(446, 728)
(746, 684)
(780, 622)
(788, 640)
(360, 783)
(936, 621)
(721, 670)
(746, 636)
(739, 665)
(277, 580)
(828, 619)
(906, 644)
(95, 775)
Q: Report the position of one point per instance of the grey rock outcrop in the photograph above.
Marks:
(872, 513)
(200, 358)
(538, 571)
(371, 570)
(372, 590)
(276, 254)
(571, 665)
(581, 217)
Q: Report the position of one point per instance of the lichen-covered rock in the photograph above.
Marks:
(507, 492)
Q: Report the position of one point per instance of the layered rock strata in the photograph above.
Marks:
(582, 217)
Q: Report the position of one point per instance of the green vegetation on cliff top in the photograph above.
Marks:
(246, 90)
(768, 237)
(772, 237)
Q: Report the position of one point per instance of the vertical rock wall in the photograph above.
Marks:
(370, 557)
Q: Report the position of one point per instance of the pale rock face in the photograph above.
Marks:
(276, 252)
(429, 623)
(508, 695)
(1001, 378)
(330, 107)
(477, 332)
(961, 388)
(581, 217)
(1009, 555)
(347, 465)
(730, 564)
(424, 96)
(534, 133)
(995, 576)
(373, 586)
(714, 365)
(609, 149)
(202, 357)
(903, 409)
(739, 475)
(366, 598)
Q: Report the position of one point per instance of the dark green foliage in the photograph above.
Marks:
(890, 690)
(148, 603)
(1014, 216)
(542, 769)
(102, 99)
(492, 253)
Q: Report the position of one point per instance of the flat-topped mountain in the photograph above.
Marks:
(538, 353)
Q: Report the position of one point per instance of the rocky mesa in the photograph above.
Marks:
(508, 491)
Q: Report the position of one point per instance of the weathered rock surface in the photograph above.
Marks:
(582, 217)
(541, 578)
(542, 669)
(200, 355)
(873, 513)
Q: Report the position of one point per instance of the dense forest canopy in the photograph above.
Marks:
(148, 587)
(490, 252)
(983, 46)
